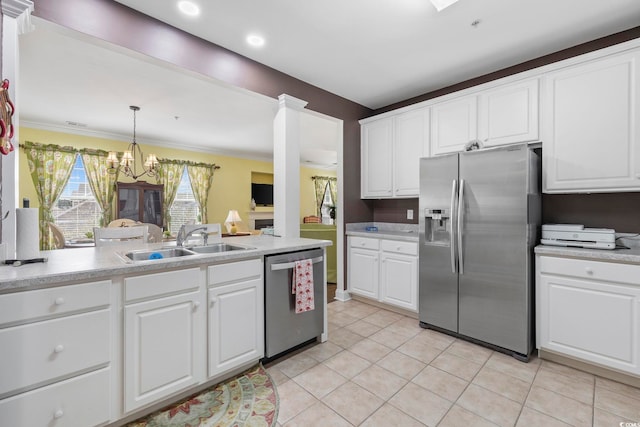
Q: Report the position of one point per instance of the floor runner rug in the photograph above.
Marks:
(246, 400)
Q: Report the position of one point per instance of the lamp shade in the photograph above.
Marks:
(233, 216)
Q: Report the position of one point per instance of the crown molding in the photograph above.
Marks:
(14, 8)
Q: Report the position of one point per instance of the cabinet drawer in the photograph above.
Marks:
(38, 352)
(24, 306)
(78, 402)
(407, 248)
(597, 270)
(153, 285)
(233, 271)
(364, 243)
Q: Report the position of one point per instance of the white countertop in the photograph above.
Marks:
(68, 265)
(410, 236)
(386, 230)
(627, 256)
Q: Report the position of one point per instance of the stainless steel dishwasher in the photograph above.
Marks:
(284, 329)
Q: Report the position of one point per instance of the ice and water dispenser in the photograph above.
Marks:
(437, 223)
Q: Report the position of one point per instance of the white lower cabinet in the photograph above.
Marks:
(236, 315)
(163, 348)
(384, 270)
(590, 310)
(399, 274)
(81, 401)
(363, 272)
(55, 356)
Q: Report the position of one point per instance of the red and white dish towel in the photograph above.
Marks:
(302, 286)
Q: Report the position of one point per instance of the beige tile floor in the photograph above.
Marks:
(379, 368)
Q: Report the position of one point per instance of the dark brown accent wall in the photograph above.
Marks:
(620, 211)
(613, 210)
(395, 210)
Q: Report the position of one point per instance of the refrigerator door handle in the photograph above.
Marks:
(460, 224)
(452, 242)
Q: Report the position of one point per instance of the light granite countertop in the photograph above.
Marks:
(77, 264)
(406, 232)
(627, 256)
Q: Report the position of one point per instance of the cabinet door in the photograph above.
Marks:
(376, 159)
(163, 348)
(590, 137)
(411, 141)
(453, 124)
(363, 272)
(509, 114)
(590, 320)
(399, 280)
(236, 325)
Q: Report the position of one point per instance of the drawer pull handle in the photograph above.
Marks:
(196, 304)
(59, 301)
(58, 349)
(589, 271)
(213, 301)
(398, 248)
(58, 414)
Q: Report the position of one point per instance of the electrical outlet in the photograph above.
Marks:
(409, 213)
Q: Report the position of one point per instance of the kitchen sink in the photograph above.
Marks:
(216, 248)
(150, 255)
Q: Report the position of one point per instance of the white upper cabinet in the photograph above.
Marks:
(411, 133)
(591, 121)
(453, 124)
(391, 148)
(502, 115)
(508, 114)
(376, 161)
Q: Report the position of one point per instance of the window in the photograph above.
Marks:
(76, 212)
(327, 207)
(185, 209)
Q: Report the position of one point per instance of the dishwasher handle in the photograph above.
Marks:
(288, 265)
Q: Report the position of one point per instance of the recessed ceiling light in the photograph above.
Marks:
(189, 8)
(255, 40)
(442, 4)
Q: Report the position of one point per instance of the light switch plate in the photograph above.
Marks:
(409, 213)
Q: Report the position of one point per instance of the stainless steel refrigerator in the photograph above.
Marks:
(479, 219)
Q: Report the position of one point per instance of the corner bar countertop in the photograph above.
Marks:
(70, 265)
(406, 232)
(626, 256)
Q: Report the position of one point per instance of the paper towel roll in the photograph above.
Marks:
(27, 234)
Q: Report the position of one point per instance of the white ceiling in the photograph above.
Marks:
(374, 53)
(377, 52)
(65, 76)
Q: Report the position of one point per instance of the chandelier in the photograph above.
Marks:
(128, 163)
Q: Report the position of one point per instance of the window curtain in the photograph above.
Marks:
(169, 175)
(201, 177)
(102, 183)
(320, 183)
(50, 167)
(333, 189)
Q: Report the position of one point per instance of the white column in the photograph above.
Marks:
(16, 20)
(286, 166)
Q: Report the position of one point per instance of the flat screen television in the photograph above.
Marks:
(262, 194)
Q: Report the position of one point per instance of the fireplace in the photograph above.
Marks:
(263, 223)
(260, 219)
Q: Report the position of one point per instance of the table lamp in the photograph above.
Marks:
(232, 218)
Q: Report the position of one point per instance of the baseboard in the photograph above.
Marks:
(590, 367)
(379, 304)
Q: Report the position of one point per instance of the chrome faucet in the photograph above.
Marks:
(183, 235)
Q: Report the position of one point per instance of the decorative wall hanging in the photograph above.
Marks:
(6, 113)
